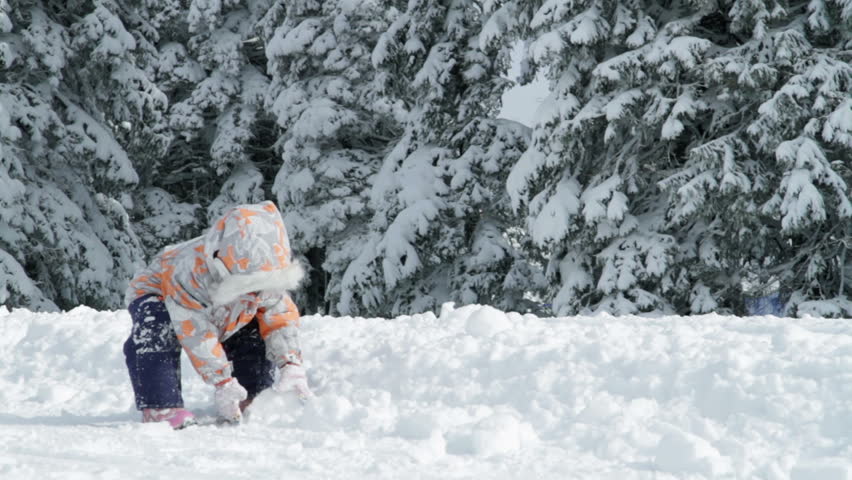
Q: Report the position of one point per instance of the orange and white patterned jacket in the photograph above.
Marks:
(215, 284)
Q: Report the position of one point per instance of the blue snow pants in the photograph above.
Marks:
(152, 353)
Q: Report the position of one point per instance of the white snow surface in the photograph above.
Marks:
(472, 393)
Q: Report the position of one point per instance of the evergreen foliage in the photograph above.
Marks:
(71, 83)
(335, 126)
(692, 152)
(213, 67)
(435, 235)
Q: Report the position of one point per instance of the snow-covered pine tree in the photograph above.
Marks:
(335, 126)
(762, 202)
(165, 209)
(799, 56)
(434, 221)
(490, 268)
(211, 64)
(622, 91)
(687, 149)
(71, 83)
(729, 243)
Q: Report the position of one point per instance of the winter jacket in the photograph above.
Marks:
(214, 284)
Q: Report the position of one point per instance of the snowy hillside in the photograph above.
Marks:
(474, 393)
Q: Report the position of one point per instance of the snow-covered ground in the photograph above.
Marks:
(472, 393)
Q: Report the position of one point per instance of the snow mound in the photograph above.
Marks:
(487, 322)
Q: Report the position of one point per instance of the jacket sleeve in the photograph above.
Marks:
(279, 326)
(200, 340)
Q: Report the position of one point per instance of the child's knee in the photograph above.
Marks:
(152, 327)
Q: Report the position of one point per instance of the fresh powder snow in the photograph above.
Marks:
(473, 392)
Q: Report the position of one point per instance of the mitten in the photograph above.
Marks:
(292, 377)
(228, 396)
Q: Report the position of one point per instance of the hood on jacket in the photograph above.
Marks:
(250, 251)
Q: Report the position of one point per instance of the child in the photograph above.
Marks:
(222, 297)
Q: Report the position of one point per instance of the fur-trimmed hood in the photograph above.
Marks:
(234, 285)
(249, 250)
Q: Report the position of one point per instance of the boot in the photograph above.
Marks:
(177, 417)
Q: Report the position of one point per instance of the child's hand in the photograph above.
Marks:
(292, 377)
(227, 399)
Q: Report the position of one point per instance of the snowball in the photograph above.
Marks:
(680, 452)
(487, 322)
(275, 408)
(417, 426)
(600, 408)
(55, 393)
(447, 309)
(457, 316)
(326, 413)
(500, 434)
(284, 409)
(430, 449)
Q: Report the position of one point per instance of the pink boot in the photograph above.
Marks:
(177, 417)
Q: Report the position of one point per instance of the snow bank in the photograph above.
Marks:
(474, 392)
